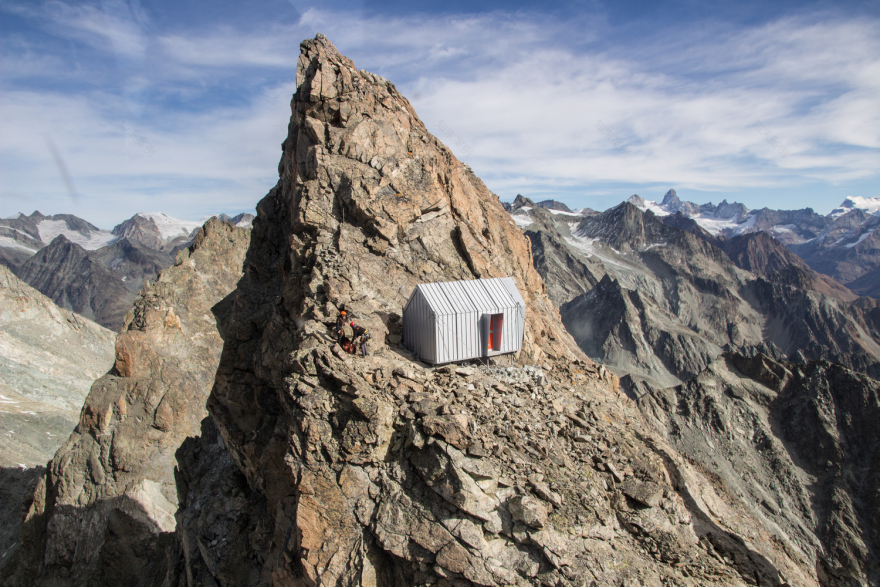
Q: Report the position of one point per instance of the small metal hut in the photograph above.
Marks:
(460, 320)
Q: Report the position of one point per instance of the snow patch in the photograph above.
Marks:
(49, 229)
(654, 207)
(11, 243)
(171, 228)
(521, 221)
(587, 247)
(861, 238)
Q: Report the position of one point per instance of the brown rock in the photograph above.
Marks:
(528, 510)
(453, 557)
(452, 428)
(645, 492)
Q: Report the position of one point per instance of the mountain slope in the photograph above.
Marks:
(50, 358)
(798, 442)
(131, 262)
(673, 301)
(66, 273)
(784, 437)
(761, 254)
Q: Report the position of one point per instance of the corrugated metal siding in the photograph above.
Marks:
(445, 322)
(418, 334)
(509, 284)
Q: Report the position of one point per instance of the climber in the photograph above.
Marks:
(360, 334)
(340, 326)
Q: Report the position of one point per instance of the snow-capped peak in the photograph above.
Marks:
(49, 229)
(869, 205)
(170, 227)
(645, 205)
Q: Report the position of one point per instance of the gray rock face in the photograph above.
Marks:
(848, 250)
(132, 262)
(566, 275)
(671, 301)
(66, 273)
(797, 443)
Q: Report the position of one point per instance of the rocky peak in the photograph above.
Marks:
(66, 273)
(671, 201)
(760, 253)
(521, 201)
(141, 229)
(637, 201)
(368, 184)
(341, 470)
(379, 470)
(734, 211)
(627, 228)
(553, 205)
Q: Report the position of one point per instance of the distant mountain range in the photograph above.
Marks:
(843, 244)
(91, 271)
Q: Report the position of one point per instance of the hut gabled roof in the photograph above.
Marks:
(484, 296)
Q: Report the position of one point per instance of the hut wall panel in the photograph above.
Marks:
(444, 322)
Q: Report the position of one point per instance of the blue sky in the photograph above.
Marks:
(115, 107)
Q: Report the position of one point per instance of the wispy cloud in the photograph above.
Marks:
(531, 101)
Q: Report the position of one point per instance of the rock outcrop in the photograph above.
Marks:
(107, 504)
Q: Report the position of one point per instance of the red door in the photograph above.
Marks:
(495, 324)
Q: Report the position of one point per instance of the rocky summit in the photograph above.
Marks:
(316, 467)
